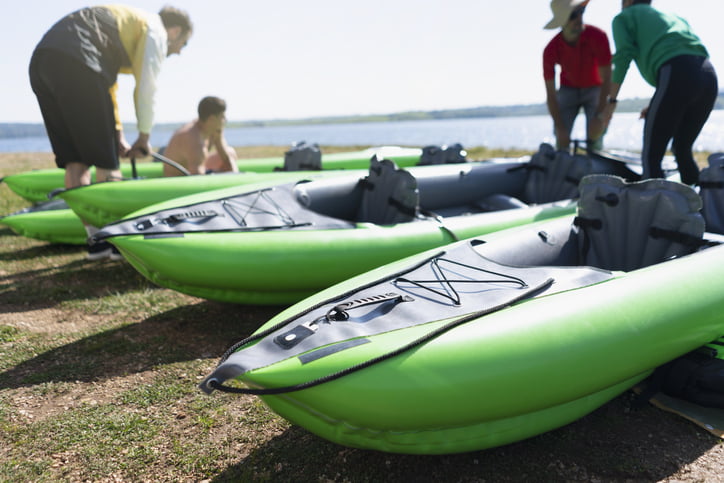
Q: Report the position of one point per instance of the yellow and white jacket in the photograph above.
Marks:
(113, 39)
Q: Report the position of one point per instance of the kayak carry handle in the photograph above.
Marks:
(175, 218)
(339, 312)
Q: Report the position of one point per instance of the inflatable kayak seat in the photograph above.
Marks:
(303, 157)
(555, 176)
(711, 184)
(552, 176)
(627, 226)
(389, 194)
(442, 155)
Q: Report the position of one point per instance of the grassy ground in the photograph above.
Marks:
(98, 374)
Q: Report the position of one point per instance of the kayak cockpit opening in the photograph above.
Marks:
(619, 226)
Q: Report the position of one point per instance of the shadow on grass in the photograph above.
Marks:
(48, 249)
(203, 330)
(614, 443)
(78, 280)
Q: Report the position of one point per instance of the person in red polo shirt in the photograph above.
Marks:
(584, 56)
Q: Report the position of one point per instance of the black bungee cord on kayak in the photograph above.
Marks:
(239, 210)
(455, 297)
(213, 384)
(236, 208)
(274, 328)
(338, 312)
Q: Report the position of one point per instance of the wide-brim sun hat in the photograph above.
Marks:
(562, 12)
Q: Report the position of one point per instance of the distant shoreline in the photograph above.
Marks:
(22, 130)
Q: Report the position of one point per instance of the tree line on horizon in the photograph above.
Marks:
(20, 130)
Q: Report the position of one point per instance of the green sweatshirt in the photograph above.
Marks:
(650, 38)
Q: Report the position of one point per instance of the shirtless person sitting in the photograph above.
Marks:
(191, 144)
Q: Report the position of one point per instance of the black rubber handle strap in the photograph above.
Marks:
(260, 335)
(339, 312)
(176, 218)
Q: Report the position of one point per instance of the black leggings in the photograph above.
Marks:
(686, 91)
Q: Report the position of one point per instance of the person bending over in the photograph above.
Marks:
(73, 72)
(672, 59)
(582, 51)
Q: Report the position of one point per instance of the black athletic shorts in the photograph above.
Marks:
(77, 110)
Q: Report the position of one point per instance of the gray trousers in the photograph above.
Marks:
(570, 102)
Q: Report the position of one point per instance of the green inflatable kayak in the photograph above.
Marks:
(59, 220)
(50, 221)
(492, 340)
(35, 185)
(275, 244)
(103, 203)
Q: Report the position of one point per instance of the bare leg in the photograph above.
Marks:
(77, 174)
(103, 174)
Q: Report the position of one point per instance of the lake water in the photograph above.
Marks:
(526, 133)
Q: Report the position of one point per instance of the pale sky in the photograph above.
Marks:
(275, 59)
